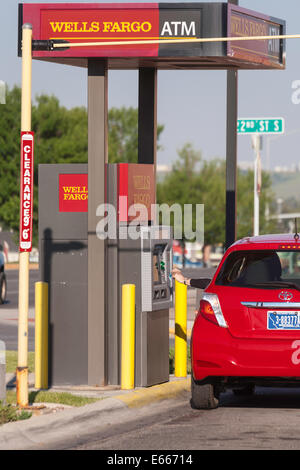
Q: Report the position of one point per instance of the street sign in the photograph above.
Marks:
(260, 126)
(26, 203)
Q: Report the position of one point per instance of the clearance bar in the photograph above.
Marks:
(66, 44)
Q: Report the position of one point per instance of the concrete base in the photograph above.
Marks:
(2, 383)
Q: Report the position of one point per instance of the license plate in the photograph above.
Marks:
(283, 320)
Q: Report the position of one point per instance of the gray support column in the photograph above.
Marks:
(97, 158)
(231, 156)
(231, 152)
(147, 138)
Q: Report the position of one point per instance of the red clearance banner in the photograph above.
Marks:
(26, 195)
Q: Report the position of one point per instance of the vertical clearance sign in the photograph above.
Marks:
(26, 196)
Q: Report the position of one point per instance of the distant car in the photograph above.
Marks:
(247, 330)
(3, 283)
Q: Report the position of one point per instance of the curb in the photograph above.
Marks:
(145, 396)
(52, 429)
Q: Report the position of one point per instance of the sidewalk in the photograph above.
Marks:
(66, 423)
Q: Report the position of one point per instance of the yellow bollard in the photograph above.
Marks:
(41, 335)
(128, 336)
(180, 329)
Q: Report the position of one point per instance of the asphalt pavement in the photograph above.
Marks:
(9, 310)
(12, 277)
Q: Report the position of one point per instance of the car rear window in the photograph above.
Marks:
(261, 269)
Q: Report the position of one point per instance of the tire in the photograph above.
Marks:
(204, 397)
(3, 288)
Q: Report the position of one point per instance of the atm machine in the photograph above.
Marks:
(146, 262)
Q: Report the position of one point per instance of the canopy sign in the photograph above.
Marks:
(108, 23)
(242, 22)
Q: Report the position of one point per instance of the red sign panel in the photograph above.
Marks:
(26, 197)
(73, 192)
(242, 22)
(136, 192)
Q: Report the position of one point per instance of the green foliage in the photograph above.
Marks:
(194, 181)
(172, 360)
(61, 136)
(9, 413)
(123, 135)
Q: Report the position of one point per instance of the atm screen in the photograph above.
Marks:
(158, 264)
(156, 270)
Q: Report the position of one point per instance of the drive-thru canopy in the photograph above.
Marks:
(131, 36)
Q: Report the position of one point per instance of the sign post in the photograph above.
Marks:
(256, 144)
(257, 127)
(25, 216)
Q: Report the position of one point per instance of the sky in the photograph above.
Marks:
(191, 104)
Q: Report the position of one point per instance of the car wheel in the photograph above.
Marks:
(3, 286)
(204, 396)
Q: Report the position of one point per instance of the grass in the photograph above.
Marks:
(12, 361)
(172, 360)
(60, 398)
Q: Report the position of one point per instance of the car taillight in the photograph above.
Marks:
(211, 310)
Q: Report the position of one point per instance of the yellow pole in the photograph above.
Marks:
(41, 335)
(128, 336)
(22, 369)
(180, 329)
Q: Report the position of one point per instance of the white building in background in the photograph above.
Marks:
(245, 165)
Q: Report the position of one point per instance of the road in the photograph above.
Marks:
(268, 420)
(9, 311)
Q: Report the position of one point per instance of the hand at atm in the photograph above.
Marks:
(178, 276)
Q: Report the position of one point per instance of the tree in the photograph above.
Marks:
(123, 135)
(61, 136)
(194, 181)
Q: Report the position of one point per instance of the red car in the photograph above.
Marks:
(247, 331)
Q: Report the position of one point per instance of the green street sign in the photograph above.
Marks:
(260, 126)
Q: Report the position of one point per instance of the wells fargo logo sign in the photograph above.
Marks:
(101, 25)
(136, 183)
(107, 24)
(73, 193)
(245, 25)
(97, 26)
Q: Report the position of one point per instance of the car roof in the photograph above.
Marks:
(266, 241)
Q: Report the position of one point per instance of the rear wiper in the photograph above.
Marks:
(277, 284)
